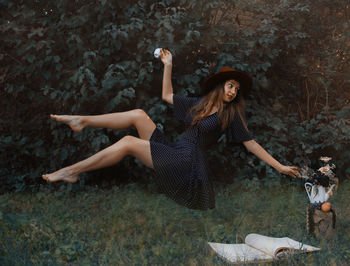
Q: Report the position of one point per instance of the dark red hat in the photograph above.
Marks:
(226, 73)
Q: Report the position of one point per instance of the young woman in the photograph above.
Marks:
(180, 167)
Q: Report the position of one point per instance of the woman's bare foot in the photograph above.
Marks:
(74, 121)
(64, 174)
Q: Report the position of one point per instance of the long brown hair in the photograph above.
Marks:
(226, 111)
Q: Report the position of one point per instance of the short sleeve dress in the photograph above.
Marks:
(181, 167)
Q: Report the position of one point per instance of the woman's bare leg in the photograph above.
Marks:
(128, 145)
(122, 120)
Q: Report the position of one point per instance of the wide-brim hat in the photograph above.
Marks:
(227, 73)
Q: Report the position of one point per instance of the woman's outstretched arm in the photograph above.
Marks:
(167, 87)
(260, 152)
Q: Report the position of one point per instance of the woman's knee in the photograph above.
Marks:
(128, 139)
(131, 144)
(141, 115)
(144, 124)
(127, 143)
(138, 148)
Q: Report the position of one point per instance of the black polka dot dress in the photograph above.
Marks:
(181, 167)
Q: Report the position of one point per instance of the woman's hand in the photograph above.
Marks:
(166, 57)
(290, 170)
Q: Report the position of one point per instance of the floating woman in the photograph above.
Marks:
(181, 168)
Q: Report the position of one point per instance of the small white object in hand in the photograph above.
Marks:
(157, 52)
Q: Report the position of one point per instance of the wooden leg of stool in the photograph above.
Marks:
(324, 224)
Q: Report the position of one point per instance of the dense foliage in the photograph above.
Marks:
(93, 57)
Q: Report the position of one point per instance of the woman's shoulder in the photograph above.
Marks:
(186, 99)
(182, 105)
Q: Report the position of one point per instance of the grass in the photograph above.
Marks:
(136, 226)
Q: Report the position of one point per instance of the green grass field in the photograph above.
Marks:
(137, 226)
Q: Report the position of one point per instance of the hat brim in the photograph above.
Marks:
(245, 82)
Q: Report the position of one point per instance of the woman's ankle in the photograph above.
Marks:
(84, 121)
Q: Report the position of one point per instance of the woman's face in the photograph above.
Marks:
(231, 88)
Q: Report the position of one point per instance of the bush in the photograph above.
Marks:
(96, 57)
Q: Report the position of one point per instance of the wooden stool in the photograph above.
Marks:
(320, 223)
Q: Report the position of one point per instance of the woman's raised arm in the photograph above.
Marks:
(167, 87)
